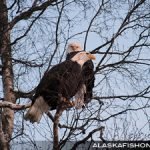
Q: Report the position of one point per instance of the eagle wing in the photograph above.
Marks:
(87, 75)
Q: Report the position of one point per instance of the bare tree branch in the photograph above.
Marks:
(87, 137)
(5, 104)
(28, 13)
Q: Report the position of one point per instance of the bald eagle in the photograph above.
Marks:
(86, 90)
(62, 80)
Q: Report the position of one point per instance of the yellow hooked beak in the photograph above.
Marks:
(91, 56)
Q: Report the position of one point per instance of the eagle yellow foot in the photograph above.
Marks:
(71, 104)
(65, 103)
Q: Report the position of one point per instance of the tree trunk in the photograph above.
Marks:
(55, 128)
(7, 115)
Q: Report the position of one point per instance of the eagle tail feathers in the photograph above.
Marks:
(36, 111)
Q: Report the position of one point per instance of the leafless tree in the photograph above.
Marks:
(33, 38)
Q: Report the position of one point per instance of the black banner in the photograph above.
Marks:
(78, 145)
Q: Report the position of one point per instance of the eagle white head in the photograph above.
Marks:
(82, 57)
(74, 47)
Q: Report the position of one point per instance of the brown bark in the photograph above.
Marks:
(7, 77)
(63, 105)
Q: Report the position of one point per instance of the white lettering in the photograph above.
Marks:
(124, 145)
(94, 145)
(137, 145)
(119, 144)
(104, 145)
(142, 145)
(147, 145)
